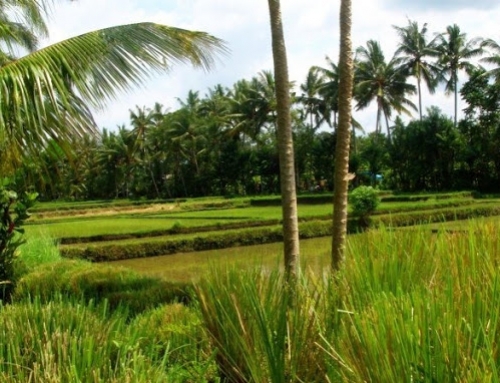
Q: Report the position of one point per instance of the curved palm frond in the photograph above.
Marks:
(43, 86)
(30, 13)
(493, 58)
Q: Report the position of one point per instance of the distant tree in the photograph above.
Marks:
(493, 58)
(413, 53)
(384, 83)
(455, 53)
(310, 98)
(329, 91)
(480, 132)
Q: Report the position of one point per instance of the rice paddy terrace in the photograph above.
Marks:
(121, 230)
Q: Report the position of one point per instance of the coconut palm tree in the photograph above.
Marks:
(329, 91)
(143, 120)
(46, 94)
(285, 144)
(493, 58)
(253, 106)
(341, 175)
(455, 53)
(311, 99)
(412, 54)
(383, 82)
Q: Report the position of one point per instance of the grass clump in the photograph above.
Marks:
(174, 334)
(118, 286)
(67, 342)
(39, 249)
(259, 338)
(408, 306)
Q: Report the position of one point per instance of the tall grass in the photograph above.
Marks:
(258, 338)
(39, 249)
(409, 306)
(69, 342)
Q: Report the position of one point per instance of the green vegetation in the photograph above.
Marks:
(415, 298)
(13, 213)
(364, 201)
(224, 142)
(409, 304)
(219, 224)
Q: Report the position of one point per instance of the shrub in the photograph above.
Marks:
(177, 227)
(364, 201)
(13, 213)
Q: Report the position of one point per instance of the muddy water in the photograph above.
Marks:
(191, 266)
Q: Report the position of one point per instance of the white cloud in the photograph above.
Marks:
(311, 32)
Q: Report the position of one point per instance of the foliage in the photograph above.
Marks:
(39, 249)
(175, 332)
(66, 340)
(425, 155)
(396, 310)
(14, 212)
(409, 304)
(48, 92)
(259, 335)
(224, 142)
(121, 288)
(364, 201)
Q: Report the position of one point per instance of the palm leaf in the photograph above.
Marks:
(42, 87)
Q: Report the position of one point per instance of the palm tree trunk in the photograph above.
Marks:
(285, 144)
(341, 176)
(378, 128)
(419, 98)
(456, 95)
(154, 181)
(387, 127)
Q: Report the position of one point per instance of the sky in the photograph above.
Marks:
(311, 33)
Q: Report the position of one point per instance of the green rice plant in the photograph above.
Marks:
(39, 249)
(260, 335)
(174, 334)
(387, 261)
(434, 319)
(120, 287)
(70, 342)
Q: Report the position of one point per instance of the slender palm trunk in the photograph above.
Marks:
(378, 126)
(419, 98)
(387, 127)
(455, 85)
(285, 144)
(341, 176)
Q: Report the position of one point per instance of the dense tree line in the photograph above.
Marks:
(225, 142)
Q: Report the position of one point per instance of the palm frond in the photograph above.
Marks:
(42, 87)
